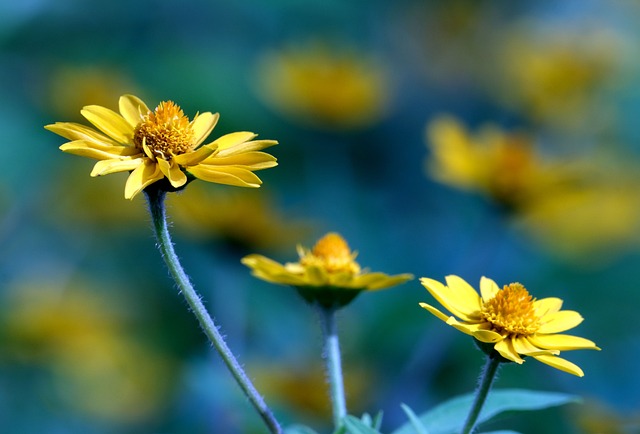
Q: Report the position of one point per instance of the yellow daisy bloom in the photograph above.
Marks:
(327, 274)
(510, 319)
(159, 144)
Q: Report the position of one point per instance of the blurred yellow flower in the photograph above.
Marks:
(501, 165)
(325, 87)
(163, 144)
(556, 74)
(98, 368)
(327, 274)
(238, 216)
(510, 320)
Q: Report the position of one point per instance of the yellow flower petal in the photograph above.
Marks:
(232, 139)
(523, 346)
(450, 300)
(465, 294)
(202, 126)
(562, 342)
(465, 327)
(73, 131)
(487, 336)
(195, 157)
(97, 151)
(144, 175)
(434, 311)
(172, 171)
(560, 363)
(547, 305)
(132, 109)
(106, 167)
(225, 175)
(253, 160)
(109, 122)
(488, 288)
(559, 321)
(254, 145)
(506, 350)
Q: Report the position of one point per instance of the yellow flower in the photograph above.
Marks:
(502, 165)
(325, 86)
(327, 274)
(509, 319)
(163, 144)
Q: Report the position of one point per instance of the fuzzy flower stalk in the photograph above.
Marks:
(328, 278)
(163, 151)
(509, 325)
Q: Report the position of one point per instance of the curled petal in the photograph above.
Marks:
(506, 350)
(251, 160)
(488, 336)
(488, 288)
(547, 305)
(106, 167)
(560, 363)
(132, 109)
(466, 310)
(109, 122)
(435, 311)
(172, 171)
(202, 126)
(144, 175)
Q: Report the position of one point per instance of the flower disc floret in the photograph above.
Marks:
(509, 320)
(165, 131)
(512, 311)
(163, 145)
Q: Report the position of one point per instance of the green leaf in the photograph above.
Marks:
(449, 417)
(354, 425)
(299, 429)
(413, 419)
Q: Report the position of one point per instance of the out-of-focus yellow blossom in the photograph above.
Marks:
(90, 84)
(326, 87)
(163, 144)
(240, 217)
(303, 388)
(499, 164)
(556, 74)
(98, 368)
(594, 418)
(510, 320)
(327, 274)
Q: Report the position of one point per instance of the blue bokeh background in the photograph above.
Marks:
(95, 338)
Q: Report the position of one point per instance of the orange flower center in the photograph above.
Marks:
(165, 131)
(332, 253)
(512, 311)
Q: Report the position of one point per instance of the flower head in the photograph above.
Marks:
(164, 143)
(510, 320)
(325, 86)
(327, 274)
(504, 166)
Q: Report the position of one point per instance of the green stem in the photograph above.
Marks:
(487, 376)
(333, 364)
(155, 197)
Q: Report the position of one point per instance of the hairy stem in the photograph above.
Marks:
(156, 198)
